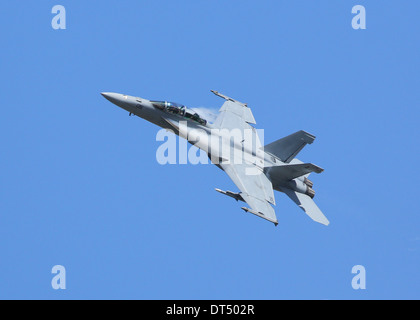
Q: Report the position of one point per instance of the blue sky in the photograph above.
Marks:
(80, 185)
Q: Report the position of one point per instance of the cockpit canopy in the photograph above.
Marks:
(179, 109)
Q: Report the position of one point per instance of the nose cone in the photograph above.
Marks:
(129, 103)
(115, 98)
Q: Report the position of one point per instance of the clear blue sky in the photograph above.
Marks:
(80, 185)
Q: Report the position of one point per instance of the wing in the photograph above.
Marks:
(256, 189)
(233, 114)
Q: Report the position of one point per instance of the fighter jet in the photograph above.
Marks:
(256, 170)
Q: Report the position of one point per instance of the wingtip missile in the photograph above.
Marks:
(217, 93)
(236, 196)
(260, 214)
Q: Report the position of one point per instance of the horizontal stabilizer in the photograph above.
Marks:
(292, 171)
(288, 147)
(308, 205)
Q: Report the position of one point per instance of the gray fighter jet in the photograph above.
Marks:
(256, 170)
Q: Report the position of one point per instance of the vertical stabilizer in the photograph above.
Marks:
(287, 148)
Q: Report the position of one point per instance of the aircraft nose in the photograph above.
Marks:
(126, 102)
(112, 97)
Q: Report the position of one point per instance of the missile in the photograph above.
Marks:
(236, 196)
(259, 214)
